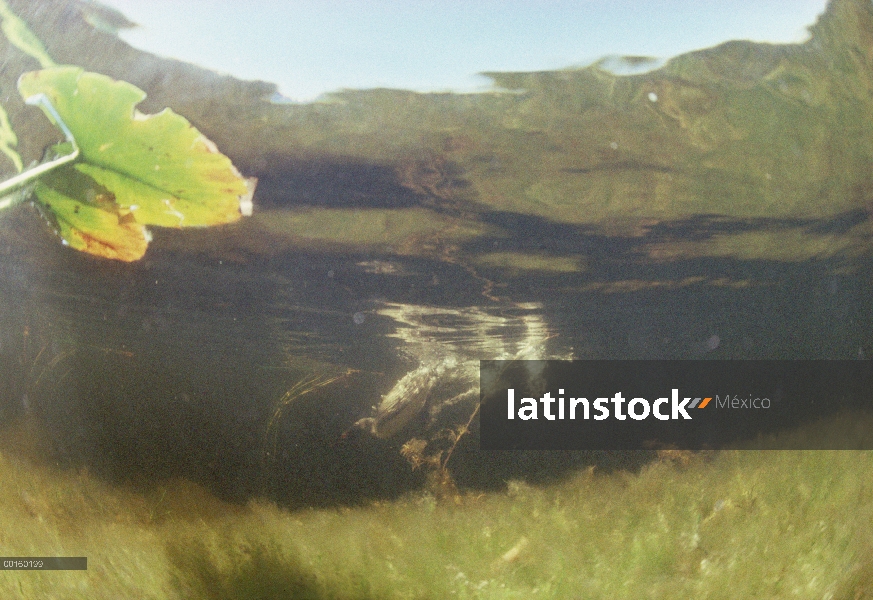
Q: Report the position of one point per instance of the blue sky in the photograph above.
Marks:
(309, 47)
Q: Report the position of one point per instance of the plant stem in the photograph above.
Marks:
(18, 181)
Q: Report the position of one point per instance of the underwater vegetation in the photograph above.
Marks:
(735, 524)
(384, 219)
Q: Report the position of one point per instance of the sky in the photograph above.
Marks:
(310, 47)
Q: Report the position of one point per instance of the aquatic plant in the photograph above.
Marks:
(299, 389)
(118, 170)
(740, 524)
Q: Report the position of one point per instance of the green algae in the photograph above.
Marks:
(733, 524)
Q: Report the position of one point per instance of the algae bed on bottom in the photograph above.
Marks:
(732, 524)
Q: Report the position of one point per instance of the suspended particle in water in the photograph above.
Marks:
(359, 318)
(713, 342)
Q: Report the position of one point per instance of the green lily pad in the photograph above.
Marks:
(145, 169)
(96, 226)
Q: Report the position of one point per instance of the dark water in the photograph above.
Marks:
(176, 366)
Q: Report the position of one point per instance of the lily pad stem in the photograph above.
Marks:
(12, 184)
